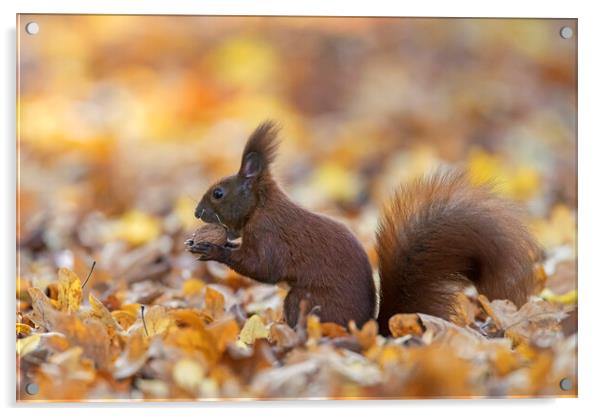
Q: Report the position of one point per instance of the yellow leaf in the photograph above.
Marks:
(125, 318)
(253, 329)
(188, 375)
(155, 388)
(101, 312)
(192, 287)
(561, 228)
(483, 167)
(244, 62)
(157, 320)
(569, 298)
(191, 318)
(214, 302)
(137, 228)
(524, 183)
(193, 339)
(504, 361)
(224, 332)
(184, 208)
(23, 329)
(517, 182)
(336, 181)
(314, 331)
(27, 345)
(70, 291)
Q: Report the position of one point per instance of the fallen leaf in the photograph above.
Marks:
(366, 337)
(134, 356)
(192, 287)
(188, 375)
(136, 228)
(405, 324)
(224, 332)
(27, 344)
(23, 329)
(102, 313)
(332, 330)
(253, 329)
(283, 336)
(156, 320)
(214, 302)
(69, 291)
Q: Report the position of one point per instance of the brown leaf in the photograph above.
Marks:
(366, 337)
(43, 311)
(537, 321)
(283, 336)
(332, 330)
(405, 324)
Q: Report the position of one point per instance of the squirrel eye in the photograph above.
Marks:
(218, 193)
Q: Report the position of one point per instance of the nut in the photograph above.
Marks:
(210, 233)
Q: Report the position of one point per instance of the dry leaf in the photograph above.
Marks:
(405, 324)
(156, 320)
(332, 330)
(224, 332)
(134, 356)
(69, 291)
(366, 337)
(28, 344)
(253, 329)
(214, 302)
(23, 329)
(192, 287)
(188, 375)
(102, 313)
(283, 336)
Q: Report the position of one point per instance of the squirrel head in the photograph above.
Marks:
(232, 200)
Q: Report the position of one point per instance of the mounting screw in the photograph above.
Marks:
(32, 388)
(566, 384)
(566, 32)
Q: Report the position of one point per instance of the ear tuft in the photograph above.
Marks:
(260, 150)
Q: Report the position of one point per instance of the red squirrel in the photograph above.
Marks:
(435, 237)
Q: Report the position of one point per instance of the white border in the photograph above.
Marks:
(590, 209)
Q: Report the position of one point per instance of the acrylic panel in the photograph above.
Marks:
(214, 207)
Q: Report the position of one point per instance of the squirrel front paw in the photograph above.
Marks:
(208, 251)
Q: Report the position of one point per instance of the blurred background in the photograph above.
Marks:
(124, 121)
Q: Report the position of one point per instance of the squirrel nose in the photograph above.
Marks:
(198, 213)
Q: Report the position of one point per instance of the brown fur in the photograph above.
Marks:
(440, 234)
(436, 236)
(320, 258)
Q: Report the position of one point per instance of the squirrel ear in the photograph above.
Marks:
(251, 165)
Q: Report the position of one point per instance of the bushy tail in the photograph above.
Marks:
(440, 234)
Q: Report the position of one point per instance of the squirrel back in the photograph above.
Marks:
(440, 234)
